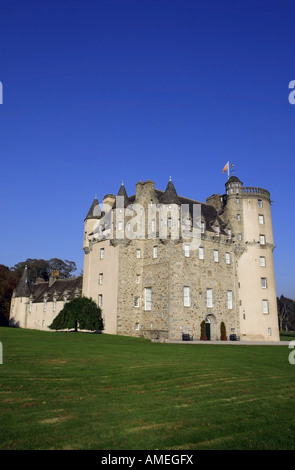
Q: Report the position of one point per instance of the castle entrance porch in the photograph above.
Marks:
(211, 327)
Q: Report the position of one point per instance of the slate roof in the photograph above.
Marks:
(94, 211)
(58, 289)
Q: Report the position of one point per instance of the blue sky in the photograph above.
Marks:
(96, 92)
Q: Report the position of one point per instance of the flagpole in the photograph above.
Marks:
(228, 170)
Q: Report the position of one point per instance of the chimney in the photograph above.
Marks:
(54, 275)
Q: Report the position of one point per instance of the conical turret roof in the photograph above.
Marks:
(23, 288)
(170, 195)
(94, 211)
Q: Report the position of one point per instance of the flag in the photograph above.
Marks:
(226, 168)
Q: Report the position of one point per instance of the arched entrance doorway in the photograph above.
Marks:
(211, 327)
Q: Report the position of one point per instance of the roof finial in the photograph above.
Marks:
(122, 183)
(170, 179)
(95, 197)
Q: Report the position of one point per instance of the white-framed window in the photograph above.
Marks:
(201, 252)
(262, 261)
(217, 230)
(153, 226)
(262, 239)
(261, 219)
(186, 296)
(186, 250)
(148, 298)
(136, 302)
(269, 331)
(229, 299)
(100, 301)
(155, 252)
(202, 227)
(238, 217)
(137, 326)
(239, 236)
(137, 279)
(120, 225)
(259, 203)
(100, 278)
(170, 222)
(229, 234)
(138, 253)
(263, 282)
(227, 258)
(209, 298)
(265, 306)
(102, 253)
(237, 200)
(54, 304)
(215, 256)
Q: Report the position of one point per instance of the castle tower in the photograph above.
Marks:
(248, 212)
(100, 276)
(20, 301)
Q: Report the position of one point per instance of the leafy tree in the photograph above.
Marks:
(8, 282)
(286, 313)
(40, 268)
(82, 313)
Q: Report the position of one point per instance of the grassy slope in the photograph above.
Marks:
(84, 391)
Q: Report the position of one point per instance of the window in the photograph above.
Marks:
(54, 304)
(201, 252)
(217, 230)
(229, 234)
(136, 326)
(209, 298)
(238, 217)
(155, 252)
(202, 227)
(261, 219)
(259, 203)
(229, 299)
(102, 253)
(120, 225)
(137, 280)
(239, 236)
(138, 253)
(148, 298)
(265, 306)
(169, 222)
(186, 296)
(216, 256)
(269, 331)
(263, 283)
(100, 300)
(45, 304)
(262, 261)
(186, 251)
(136, 302)
(100, 279)
(227, 258)
(237, 200)
(262, 239)
(153, 226)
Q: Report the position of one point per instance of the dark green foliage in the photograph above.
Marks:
(223, 336)
(82, 313)
(286, 312)
(40, 268)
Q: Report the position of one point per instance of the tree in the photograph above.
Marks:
(82, 313)
(8, 282)
(286, 313)
(40, 268)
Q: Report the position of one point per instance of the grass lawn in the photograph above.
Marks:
(87, 391)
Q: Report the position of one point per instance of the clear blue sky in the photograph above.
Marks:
(96, 92)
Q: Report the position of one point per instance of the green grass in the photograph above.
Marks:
(88, 391)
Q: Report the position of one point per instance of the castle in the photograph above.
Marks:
(159, 264)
